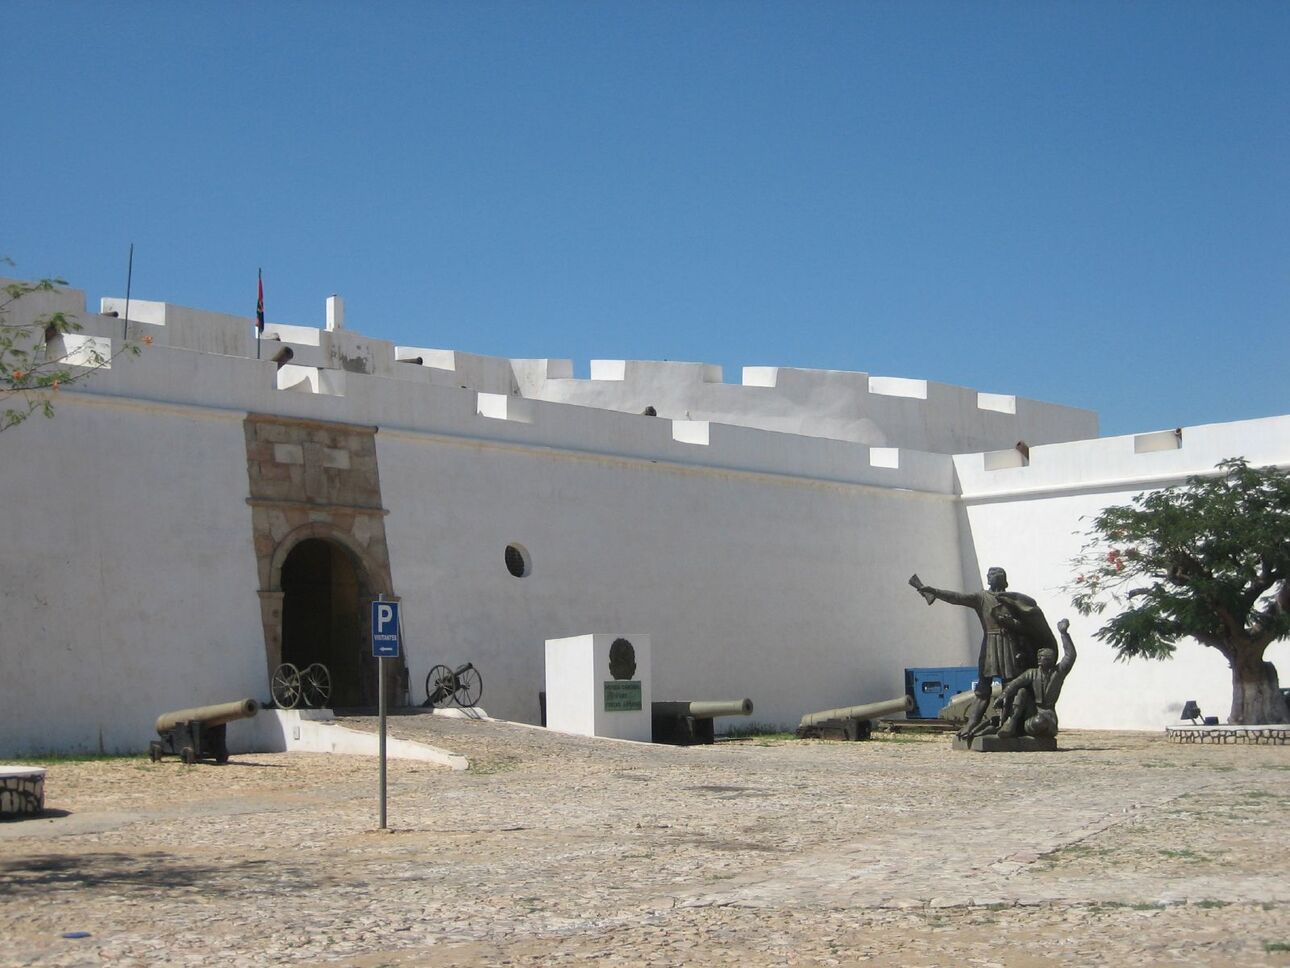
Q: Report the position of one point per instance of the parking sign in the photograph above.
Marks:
(385, 630)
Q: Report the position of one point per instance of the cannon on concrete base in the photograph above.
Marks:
(850, 722)
(690, 723)
(199, 734)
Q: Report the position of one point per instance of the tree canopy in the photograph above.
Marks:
(30, 371)
(1208, 559)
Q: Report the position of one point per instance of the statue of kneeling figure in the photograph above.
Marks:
(1028, 703)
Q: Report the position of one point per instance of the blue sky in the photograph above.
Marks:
(1087, 203)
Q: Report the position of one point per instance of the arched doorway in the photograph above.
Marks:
(324, 594)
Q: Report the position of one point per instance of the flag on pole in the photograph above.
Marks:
(259, 303)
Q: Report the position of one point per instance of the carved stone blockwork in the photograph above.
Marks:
(315, 480)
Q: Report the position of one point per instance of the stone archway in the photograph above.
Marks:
(323, 592)
(315, 503)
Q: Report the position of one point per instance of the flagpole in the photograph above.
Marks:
(129, 277)
(259, 310)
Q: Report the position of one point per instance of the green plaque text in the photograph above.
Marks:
(622, 697)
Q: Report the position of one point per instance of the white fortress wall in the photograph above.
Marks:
(179, 326)
(127, 582)
(133, 571)
(1031, 519)
(763, 563)
(776, 587)
(917, 414)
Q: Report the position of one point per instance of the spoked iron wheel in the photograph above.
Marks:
(315, 685)
(285, 686)
(441, 684)
(470, 686)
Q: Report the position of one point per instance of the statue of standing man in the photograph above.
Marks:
(1005, 651)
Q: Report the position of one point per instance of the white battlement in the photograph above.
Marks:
(879, 411)
(1132, 460)
(842, 405)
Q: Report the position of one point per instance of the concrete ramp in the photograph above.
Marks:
(316, 731)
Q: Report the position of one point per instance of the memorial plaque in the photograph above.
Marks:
(622, 697)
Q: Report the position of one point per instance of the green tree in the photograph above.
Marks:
(1208, 559)
(31, 371)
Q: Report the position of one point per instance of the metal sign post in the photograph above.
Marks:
(386, 626)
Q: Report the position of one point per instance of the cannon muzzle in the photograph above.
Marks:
(871, 710)
(208, 716)
(704, 708)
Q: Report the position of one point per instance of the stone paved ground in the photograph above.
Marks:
(1120, 849)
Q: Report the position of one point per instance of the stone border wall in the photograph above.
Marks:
(1277, 735)
(22, 790)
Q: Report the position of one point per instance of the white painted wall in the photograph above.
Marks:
(127, 573)
(880, 411)
(788, 590)
(765, 564)
(1031, 520)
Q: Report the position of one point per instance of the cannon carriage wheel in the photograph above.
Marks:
(285, 686)
(463, 685)
(315, 686)
(470, 686)
(441, 685)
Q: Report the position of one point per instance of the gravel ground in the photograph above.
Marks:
(1119, 849)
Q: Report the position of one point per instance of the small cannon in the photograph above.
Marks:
(198, 734)
(690, 723)
(309, 687)
(850, 722)
(462, 685)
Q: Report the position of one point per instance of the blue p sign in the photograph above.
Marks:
(385, 630)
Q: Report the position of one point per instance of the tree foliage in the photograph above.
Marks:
(1208, 559)
(31, 373)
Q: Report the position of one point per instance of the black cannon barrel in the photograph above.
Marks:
(704, 708)
(208, 716)
(870, 710)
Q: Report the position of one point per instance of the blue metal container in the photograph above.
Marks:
(932, 688)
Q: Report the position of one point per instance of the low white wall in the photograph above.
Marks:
(316, 731)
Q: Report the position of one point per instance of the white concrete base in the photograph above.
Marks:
(457, 712)
(581, 684)
(316, 731)
(22, 790)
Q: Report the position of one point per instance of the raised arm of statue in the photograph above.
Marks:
(930, 594)
(922, 589)
(968, 599)
(1068, 648)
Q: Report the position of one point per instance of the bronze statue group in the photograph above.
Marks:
(1019, 649)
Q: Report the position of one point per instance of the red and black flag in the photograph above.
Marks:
(259, 303)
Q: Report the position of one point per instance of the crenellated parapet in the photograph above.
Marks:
(374, 381)
(874, 410)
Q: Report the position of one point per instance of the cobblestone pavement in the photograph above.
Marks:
(1119, 849)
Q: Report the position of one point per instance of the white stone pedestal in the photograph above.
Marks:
(599, 685)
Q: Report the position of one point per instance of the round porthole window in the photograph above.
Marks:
(517, 560)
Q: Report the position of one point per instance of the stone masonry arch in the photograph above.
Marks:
(311, 479)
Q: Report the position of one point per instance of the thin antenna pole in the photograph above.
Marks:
(129, 278)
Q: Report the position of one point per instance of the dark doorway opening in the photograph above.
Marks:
(322, 619)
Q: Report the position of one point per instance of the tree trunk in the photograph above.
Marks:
(1256, 692)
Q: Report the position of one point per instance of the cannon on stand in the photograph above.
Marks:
(199, 734)
(462, 685)
(690, 723)
(850, 722)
